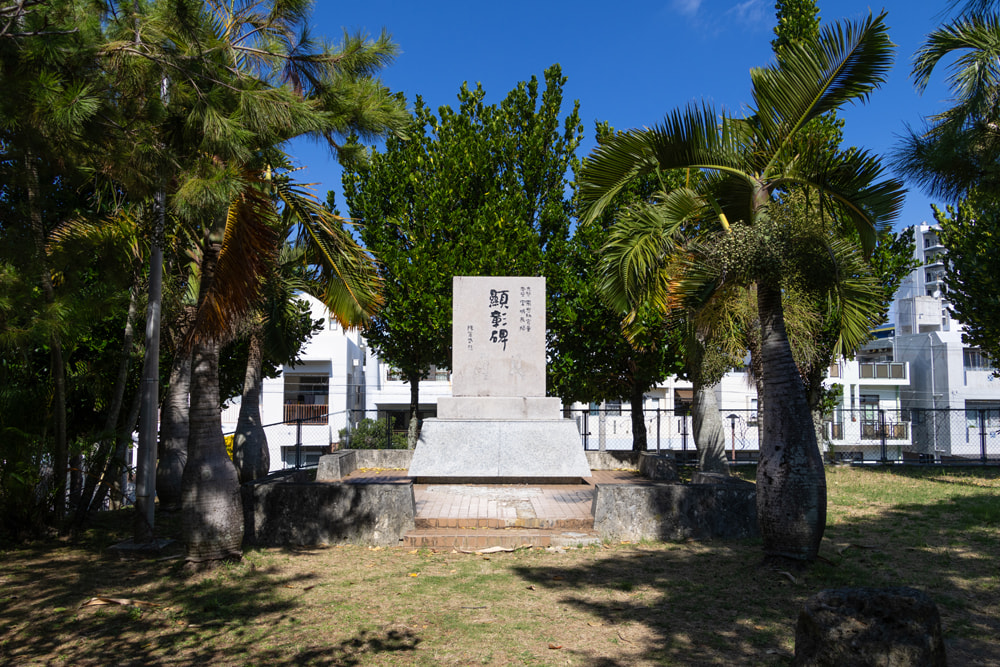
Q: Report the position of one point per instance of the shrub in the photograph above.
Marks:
(371, 434)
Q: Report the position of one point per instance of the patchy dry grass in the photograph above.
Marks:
(621, 604)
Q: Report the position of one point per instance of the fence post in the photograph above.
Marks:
(388, 431)
(881, 432)
(586, 430)
(298, 443)
(684, 435)
(657, 429)
(982, 435)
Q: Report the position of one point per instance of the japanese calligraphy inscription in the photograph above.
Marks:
(498, 336)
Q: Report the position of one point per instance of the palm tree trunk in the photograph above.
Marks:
(791, 481)
(709, 432)
(250, 452)
(212, 511)
(173, 449)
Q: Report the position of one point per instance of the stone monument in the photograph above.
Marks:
(498, 425)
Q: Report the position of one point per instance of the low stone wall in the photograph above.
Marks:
(659, 467)
(613, 460)
(278, 512)
(676, 511)
(342, 463)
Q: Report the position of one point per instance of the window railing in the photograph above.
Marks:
(883, 371)
(873, 431)
(308, 414)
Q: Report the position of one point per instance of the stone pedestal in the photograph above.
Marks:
(499, 426)
(482, 451)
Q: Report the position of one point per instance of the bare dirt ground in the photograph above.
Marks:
(711, 603)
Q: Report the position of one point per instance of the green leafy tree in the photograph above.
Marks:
(594, 354)
(473, 191)
(49, 129)
(970, 231)
(746, 163)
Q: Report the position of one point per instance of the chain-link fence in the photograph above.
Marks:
(868, 434)
(299, 442)
(917, 435)
(864, 435)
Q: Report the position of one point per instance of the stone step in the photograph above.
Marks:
(573, 524)
(473, 539)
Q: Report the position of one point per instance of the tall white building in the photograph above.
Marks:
(952, 395)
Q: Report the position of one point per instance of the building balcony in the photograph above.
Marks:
(307, 414)
(882, 371)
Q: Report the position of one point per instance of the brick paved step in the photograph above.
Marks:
(483, 538)
(575, 524)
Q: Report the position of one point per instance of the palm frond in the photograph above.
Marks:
(245, 255)
(640, 247)
(847, 63)
(347, 273)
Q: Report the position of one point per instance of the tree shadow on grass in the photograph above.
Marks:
(716, 603)
(249, 612)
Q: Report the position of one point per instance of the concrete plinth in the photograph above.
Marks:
(499, 408)
(468, 451)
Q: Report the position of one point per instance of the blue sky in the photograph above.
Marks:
(628, 62)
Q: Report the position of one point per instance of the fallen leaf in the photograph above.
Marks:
(531, 588)
(412, 552)
(845, 547)
(555, 646)
(594, 625)
(790, 576)
(557, 577)
(414, 574)
(127, 602)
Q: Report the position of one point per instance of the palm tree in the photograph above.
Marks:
(242, 78)
(746, 162)
(321, 260)
(959, 149)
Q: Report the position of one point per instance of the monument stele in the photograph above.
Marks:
(498, 425)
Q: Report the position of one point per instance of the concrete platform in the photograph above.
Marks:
(476, 516)
(484, 451)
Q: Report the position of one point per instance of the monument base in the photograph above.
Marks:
(502, 408)
(483, 451)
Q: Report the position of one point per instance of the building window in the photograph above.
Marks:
(974, 360)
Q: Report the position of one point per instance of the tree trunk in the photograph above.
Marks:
(639, 442)
(173, 449)
(413, 430)
(60, 454)
(212, 511)
(250, 452)
(709, 432)
(791, 481)
(99, 463)
(145, 477)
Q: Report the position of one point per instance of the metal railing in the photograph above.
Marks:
(861, 435)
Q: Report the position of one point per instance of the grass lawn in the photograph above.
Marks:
(617, 604)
